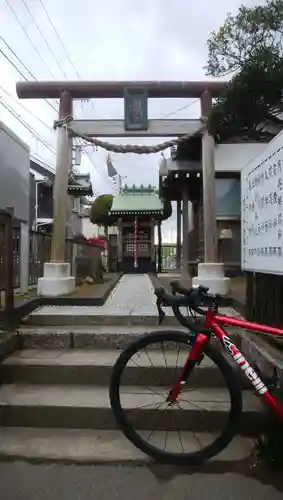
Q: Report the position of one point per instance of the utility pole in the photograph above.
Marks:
(63, 165)
(208, 175)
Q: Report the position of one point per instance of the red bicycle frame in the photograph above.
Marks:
(215, 322)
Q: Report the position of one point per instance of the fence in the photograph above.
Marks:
(8, 259)
(264, 298)
(168, 257)
(39, 253)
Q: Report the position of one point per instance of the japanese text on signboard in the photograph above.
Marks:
(262, 213)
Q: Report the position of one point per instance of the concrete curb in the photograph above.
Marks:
(266, 357)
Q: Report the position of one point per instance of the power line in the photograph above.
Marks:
(28, 37)
(61, 41)
(179, 109)
(43, 37)
(65, 50)
(28, 127)
(18, 59)
(46, 144)
(18, 70)
(58, 37)
(26, 109)
(36, 157)
(32, 131)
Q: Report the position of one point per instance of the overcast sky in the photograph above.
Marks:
(105, 40)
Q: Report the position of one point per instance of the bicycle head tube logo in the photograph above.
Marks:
(244, 365)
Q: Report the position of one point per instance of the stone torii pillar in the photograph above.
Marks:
(57, 279)
(210, 272)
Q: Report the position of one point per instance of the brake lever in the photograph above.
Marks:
(161, 313)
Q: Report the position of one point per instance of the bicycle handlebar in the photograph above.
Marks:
(177, 288)
(192, 298)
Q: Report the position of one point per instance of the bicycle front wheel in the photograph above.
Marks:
(148, 368)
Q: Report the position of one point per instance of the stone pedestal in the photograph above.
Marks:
(212, 276)
(56, 280)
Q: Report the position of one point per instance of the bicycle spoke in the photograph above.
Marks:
(149, 358)
(162, 343)
(150, 404)
(176, 366)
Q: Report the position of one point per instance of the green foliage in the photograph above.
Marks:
(99, 213)
(250, 46)
(253, 98)
(241, 38)
(269, 447)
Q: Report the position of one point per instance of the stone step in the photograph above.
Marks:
(87, 446)
(80, 366)
(104, 316)
(92, 337)
(88, 407)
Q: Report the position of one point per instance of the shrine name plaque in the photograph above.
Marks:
(135, 109)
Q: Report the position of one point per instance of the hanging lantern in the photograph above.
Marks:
(135, 242)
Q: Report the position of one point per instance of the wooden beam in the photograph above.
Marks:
(115, 128)
(105, 90)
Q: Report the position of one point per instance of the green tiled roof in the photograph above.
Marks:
(140, 199)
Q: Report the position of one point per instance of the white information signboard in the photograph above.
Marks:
(262, 210)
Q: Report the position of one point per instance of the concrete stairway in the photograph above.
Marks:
(54, 395)
(55, 403)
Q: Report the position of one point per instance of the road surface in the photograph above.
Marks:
(22, 481)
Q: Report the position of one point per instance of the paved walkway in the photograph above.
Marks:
(132, 296)
(133, 291)
(21, 481)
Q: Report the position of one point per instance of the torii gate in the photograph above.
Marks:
(57, 280)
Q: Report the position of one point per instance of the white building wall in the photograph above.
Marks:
(234, 157)
(90, 230)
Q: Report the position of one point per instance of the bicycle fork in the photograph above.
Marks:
(194, 358)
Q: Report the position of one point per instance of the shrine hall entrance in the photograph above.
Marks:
(143, 262)
(137, 208)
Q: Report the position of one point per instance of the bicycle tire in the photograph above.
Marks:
(233, 385)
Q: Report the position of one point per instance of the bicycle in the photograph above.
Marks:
(209, 325)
